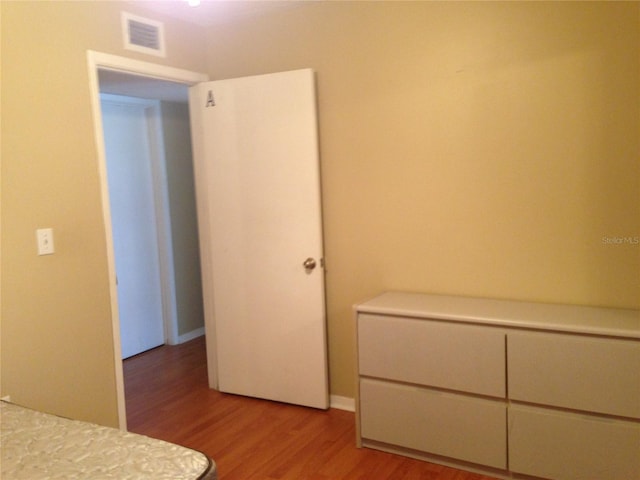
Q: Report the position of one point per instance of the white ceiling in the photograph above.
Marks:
(119, 83)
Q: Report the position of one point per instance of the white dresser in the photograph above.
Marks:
(501, 387)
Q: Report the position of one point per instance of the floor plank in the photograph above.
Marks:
(167, 397)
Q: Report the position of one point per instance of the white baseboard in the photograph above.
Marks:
(198, 332)
(342, 403)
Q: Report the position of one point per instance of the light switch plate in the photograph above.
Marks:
(45, 241)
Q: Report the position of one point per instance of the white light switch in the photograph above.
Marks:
(45, 241)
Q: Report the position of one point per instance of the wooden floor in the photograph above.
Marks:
(168, 398)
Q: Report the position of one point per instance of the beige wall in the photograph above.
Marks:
(467, 148)
(182, 207)
(57, 342)
(479, 148)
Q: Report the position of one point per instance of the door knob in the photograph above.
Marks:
(309, 264)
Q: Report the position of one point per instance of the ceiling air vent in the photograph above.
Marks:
(143, 35)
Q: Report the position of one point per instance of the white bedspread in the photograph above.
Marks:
(38, 446)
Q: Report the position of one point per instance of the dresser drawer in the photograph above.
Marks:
(440, 354)
(451, 425)
(582, 373)
(568, 446)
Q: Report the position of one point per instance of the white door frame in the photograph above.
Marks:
(103, 61)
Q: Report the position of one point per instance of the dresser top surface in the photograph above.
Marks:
(507, 313)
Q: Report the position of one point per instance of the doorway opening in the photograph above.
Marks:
(164, 90)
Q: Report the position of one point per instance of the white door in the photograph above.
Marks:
(133, 220)
(258, 191)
